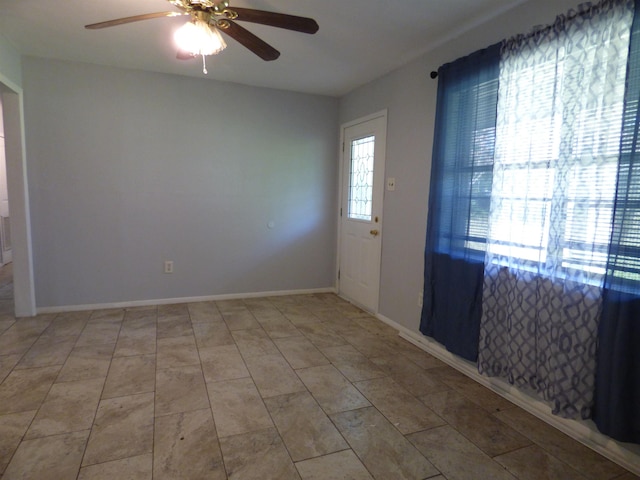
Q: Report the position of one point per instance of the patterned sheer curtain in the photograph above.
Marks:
(560, 109)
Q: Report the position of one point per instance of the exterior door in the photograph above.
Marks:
(364, 144)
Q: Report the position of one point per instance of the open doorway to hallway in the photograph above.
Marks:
(6, 266)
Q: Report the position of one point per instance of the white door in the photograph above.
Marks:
(361, 210)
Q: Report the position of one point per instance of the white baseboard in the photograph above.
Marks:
(171, 301)
(585, 432)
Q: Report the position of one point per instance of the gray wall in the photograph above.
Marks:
(409, 95)
(127, 169)
(10, 67)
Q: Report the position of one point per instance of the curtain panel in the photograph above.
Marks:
(560, 107)
(461, 173)
(617, 401)
(532, 260)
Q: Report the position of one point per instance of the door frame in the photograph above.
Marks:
(341, 180)
(14, 130)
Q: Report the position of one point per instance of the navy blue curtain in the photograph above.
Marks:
(459, 200)
(617, 399)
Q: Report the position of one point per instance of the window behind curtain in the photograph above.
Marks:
(560, 112)
(463, 154)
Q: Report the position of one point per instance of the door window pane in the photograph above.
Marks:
(361, 179)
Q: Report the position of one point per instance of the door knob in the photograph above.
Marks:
(374, 233)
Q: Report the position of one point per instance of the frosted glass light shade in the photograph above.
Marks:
(199, 38)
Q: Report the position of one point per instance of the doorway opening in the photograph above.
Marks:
(18, 230)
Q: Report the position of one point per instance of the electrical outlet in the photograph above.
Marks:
(168, 266)
(420, 299)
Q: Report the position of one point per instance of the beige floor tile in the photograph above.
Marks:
(130, 375)
(403, 410)
(69, 407)
(326, 313)
(376, 327)
(6, 322)
(177, 352)
(109, 315)
(20, 336)
(12, 428)
(180, 389)
(67, 324)
(384, 451)
(488, 433)
(139, 323)
(265, 413)
(257, 456)
(321, 335)
(254, 342)
(132, 346)
(186, 446)
(331, 389)
(418, 356)
(7, 362)
(143, 311)
(137, 336)
(478, 394)
(278, 326)
(212, 334)
(237, 407)
(99, 333)
(414, 379)
(174, 326)
(48, 351)
(371, 345)
(533, 463)
(222, 363)
(576, 455)
(240, 320)
(85, 363)
(25, 390)
(306, 430)
(204, 312)
(173, 309)
(226, 307)
(55, 457)
(456, 457)
(123, 428)
(352, 364)
(343, 465)
(273, 375)
(300, 352)
(131, 468)
(299, 315)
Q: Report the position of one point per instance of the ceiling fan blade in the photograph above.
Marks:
(135, 18)
(249, 40)
(280, 20)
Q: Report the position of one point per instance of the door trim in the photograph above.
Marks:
(341, 180)
(23, 281)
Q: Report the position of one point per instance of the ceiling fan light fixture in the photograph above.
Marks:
(199, 38)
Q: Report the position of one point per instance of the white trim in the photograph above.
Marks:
(15, 147)
(585, 432)
(171, 301)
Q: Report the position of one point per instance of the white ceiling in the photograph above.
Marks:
(358, 40)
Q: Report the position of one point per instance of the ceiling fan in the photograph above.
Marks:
(201, 35)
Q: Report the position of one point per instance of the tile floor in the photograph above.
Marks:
(298, 387)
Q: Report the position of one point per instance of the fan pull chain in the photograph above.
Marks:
(204, 65)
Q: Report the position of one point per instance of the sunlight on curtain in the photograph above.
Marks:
(560, 106)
